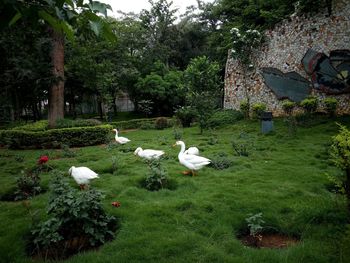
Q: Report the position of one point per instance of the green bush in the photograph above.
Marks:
(185, 114)
(34, 126)
(77, 221)
(54, 138)
(133, 124)
(221, 162)
(331, 105)
(309, 105)
(258, 108)
(245, 108)
(224, 117)
(28, 185)
(157, 178)
(161, 123)
(67, 123)
(288, 106)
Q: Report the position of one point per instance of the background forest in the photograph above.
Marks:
(154, 56)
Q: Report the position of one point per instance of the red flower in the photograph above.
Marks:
(116, 204)
(43, 159)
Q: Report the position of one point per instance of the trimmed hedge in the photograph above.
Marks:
(224, 117)
(136, 123)
(54, 138)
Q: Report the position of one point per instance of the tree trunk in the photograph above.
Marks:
(56, 91)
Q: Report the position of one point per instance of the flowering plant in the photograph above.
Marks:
(43, 159)
(116, 204)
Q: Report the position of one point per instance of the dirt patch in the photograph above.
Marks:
(269, 241)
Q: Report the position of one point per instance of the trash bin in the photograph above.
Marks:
(266, 122)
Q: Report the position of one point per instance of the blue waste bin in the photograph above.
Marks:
(266, 122)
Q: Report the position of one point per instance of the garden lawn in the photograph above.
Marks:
(284, 177)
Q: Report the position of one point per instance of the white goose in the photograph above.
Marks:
(120, 140)
(192, 150)
(148, 153)
(191, 161)
(82, 175)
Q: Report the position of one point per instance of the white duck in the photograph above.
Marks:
(192, 150)
(148, 153)
(191, 161)
(82, 175)
(120, 140)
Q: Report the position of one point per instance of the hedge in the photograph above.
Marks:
(136, 123)
(54, 138)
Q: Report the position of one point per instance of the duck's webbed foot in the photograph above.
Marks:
(193, 173)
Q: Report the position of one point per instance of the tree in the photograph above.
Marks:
(204, 92)
(60, 16)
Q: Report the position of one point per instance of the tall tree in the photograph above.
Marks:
(60, 16)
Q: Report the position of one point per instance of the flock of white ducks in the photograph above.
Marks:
(189, 158)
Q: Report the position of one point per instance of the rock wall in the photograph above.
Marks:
(284, 49)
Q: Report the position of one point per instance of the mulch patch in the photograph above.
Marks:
(269, 241)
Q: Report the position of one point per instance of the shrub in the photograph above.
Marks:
(258, 108)
(177, 134)
(147, 126)
(161, 123)
(309, 105)
(245, 108)
(146, 107)
(288, 106)
(221, 162)
(156, 179)
(77, 136)
(77, 221)
(240, 149)
(67, 152)
(67, 123)
(134, 124)
(28, 185)
(185, 114)
(224, 117)
(255, 223)
(331, 105)
(340, 152)
(33, 127)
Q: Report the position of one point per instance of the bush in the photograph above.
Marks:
(185, 114)
(258, 109)
(331, 105)
(245, 108)
(66, 123)
(221, 162)
(77, 221)
(134, 124)
(54, 138)
(156, 179)
(161, 123)
(224, 117)
(28, 185)
(34, 127)
(288, 106)
(309, 105)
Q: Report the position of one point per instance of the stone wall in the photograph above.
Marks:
(285, 47)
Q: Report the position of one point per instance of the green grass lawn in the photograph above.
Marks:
(283, 177)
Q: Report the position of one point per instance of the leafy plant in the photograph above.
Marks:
(212, 140)
(185, 114)
(288, 106)
(177, 134)
(258, 109)
(19, 158)
(309, 105)
(340, 154)
(245, 108)
(255, 223)
(114, 164)
(28, 185)
(146, 107)
(77, 221)
(221, 162)
(157, 178)
(241, 149)
(161, 123)
(331, 105)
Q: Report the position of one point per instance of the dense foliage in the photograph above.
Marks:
(55, 138)
(77, 221)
